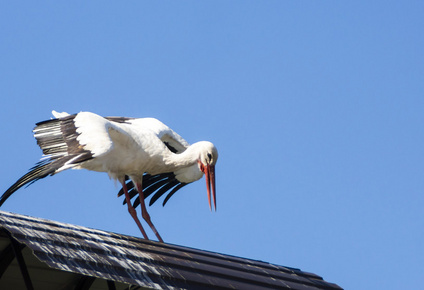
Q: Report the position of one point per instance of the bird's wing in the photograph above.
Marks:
(82, 136)
(59, 139)
(77, 138)
(157, 185)
(99, 135)
(172, 140)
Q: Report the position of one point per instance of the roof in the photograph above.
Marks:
(53, 255)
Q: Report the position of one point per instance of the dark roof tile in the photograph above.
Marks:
(151, 264)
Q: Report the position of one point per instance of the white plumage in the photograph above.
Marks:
(149, 153)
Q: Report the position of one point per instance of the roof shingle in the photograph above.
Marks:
(135, 261)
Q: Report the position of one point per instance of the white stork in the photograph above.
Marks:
(149, 153)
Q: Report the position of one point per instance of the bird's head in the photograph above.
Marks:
(207, 160)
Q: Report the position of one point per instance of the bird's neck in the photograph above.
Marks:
(187, 158)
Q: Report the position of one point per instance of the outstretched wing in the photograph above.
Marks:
(57, 139)
(67, 142)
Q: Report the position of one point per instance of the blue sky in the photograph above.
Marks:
(316, 108)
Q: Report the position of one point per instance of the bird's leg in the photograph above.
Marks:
(131, 209)
(144, 212)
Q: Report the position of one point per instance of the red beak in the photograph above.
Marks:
(209, 171)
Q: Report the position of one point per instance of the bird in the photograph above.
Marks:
(143, 154)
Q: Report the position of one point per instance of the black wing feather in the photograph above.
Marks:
(57, 139)
(40, 170)
(148, 181)
(161, 191)
(157, 185)
(119, 119)
(176, 188)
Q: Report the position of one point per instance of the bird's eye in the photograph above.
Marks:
(209, 156)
